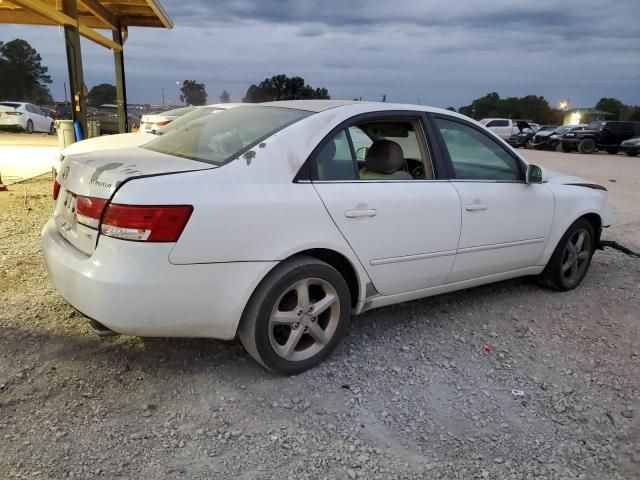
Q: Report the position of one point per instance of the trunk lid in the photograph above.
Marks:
(96, 176)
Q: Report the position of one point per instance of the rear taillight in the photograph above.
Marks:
(56, 189)
(162, 124)
(13, 113)
(88, 210)
(146, 223)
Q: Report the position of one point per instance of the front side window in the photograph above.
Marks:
(218, 139)
(374, 150)
(475, 156)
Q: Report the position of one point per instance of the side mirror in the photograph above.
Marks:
(534, 174)
(361, 153)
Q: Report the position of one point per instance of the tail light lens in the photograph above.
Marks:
(162, 124)
(146, 223)
(13, 113)
(56, 189)
(89, 210)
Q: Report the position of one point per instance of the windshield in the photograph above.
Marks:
(189, 117)
(218, 139)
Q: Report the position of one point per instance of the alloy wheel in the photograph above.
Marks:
(575, 258)
(304, 319)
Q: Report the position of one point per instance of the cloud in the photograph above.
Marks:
(441, 53)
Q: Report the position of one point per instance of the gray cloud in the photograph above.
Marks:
(434, 52)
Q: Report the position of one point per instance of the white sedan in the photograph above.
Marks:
(261, 222)
(26, 117)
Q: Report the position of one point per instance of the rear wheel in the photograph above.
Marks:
(52, 129)
(29, 128)
(587, 145)
(571, 259)
(296, 316)
(612, 151)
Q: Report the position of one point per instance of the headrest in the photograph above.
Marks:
(327, 153)
(384, 156)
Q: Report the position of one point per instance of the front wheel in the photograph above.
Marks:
(571, 258)
(632, 154)
(29, 128)
(296, 316)
(52, 128)
(612, 150)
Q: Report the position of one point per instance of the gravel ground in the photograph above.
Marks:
(506, 381)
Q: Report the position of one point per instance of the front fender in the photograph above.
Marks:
(571, 203)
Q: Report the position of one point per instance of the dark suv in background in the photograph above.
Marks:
(600, 136)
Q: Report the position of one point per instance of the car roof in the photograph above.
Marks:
(311, 105)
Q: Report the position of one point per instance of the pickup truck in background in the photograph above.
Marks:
(600, 136)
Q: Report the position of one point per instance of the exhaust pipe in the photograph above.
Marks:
(100, 330)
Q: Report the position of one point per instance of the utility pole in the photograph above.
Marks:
(162, 97)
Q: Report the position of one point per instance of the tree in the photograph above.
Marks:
(101, 94)
(193, 93)
(22, 75)
(612, 106)
(281, 87)
(224, 97)
(530, 107)
(451, 109)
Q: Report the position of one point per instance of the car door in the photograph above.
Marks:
(405, 230)
(505, 221)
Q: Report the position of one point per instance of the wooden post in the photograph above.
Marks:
(74, 63)
(121, 88)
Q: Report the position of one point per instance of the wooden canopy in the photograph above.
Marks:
(91, 14)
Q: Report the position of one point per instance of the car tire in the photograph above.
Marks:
(587, 145)
(276, 330)
(632, 154)
(52, 129)
(29, 128)
(571, 258)
(612, 151)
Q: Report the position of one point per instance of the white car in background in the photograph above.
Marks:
(129, 140)
(261, 222)
(153, 122)
(26, 117)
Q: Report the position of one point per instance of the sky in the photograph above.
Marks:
(413, 51)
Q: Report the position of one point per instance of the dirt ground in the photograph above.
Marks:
(506, 381)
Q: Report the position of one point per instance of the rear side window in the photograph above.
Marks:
(475, 156)
(218, 139)
(335, 161)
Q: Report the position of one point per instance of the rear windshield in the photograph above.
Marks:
(9, 104)
(218, 139)
(189, 117)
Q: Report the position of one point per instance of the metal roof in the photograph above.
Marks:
(92, 14)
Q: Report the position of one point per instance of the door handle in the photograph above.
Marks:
(474, 207)
(360, 213)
